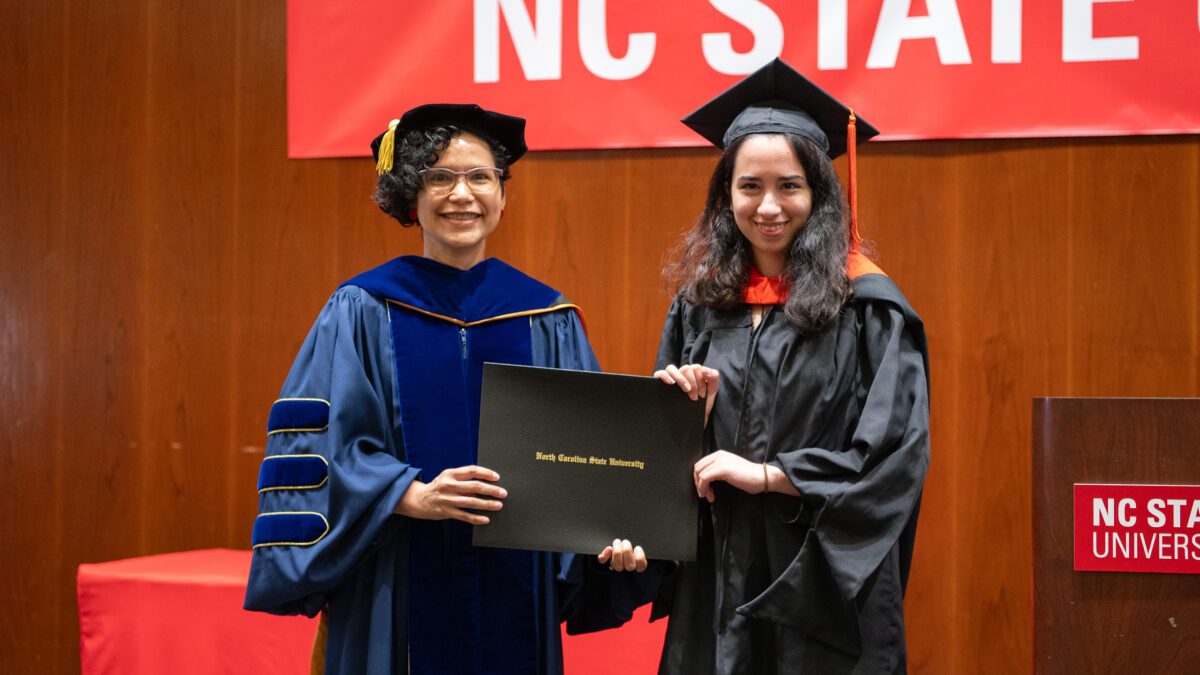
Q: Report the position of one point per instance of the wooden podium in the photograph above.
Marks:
(1109, 622)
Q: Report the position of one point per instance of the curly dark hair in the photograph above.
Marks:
(712, 263)
(417, 150)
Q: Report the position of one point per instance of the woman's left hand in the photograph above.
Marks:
(734, 469)
(623, 556)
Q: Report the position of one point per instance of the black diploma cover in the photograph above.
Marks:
(587, 458)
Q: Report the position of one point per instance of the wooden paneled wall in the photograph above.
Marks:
(162, 260)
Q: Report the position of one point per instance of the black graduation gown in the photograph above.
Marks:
(815, 583)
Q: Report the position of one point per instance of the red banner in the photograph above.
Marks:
(1137, 528)
(620, 73)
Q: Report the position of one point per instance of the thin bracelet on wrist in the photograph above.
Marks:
(766, 482)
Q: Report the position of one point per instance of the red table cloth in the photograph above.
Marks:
(181, 613)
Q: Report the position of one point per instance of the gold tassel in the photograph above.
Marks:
(387, 149)
(851, 143)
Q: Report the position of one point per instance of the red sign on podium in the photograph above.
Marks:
(1137, 528)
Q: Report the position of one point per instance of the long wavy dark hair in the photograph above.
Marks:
(417, 150)
(712, 263)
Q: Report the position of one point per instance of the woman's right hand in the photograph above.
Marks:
(695, 380)
(623, 556)
(452, 493)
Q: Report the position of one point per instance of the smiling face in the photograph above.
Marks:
(770, 198)
(455, 226)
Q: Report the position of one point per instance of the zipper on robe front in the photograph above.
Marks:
(726, 607)
(751, 349)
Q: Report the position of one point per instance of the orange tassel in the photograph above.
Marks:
(851, 144)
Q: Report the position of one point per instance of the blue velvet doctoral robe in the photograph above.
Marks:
(385, 390)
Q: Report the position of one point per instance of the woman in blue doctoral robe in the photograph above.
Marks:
(369, 488)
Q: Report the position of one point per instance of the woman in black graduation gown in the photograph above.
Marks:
(818, 440)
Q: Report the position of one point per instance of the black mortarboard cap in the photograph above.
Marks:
(491, 126)
(777, 99)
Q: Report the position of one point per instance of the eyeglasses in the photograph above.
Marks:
(480, 180)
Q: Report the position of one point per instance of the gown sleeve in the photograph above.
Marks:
(863, 498)
(676, 339)
(559, 341)
(591, 597)
(331, 477)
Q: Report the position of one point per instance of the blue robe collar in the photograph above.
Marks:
(488, 291)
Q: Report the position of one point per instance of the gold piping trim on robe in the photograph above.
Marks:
(300, 430)
(298, 487)
(293, 543)
(467, 324)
